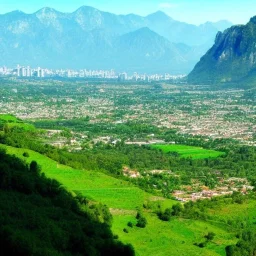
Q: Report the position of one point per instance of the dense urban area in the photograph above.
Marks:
(194, 110)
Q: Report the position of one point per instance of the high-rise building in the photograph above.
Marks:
(28, 72)
(18, 70)
(123, 76)
(23, 72)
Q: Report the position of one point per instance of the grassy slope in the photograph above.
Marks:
(158, 238)
(189, 151)
(8, 118)
(15, 122)
(246, 210)
(95, 185)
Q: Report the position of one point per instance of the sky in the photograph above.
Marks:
(190, 11)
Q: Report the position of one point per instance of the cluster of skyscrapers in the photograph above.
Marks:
(28, 72)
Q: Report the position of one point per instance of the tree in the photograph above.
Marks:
(130, 224)
(177, 209)
(34, 167)
(166, 215)
(25, 154)
(142, 222)
(210, 236)
(6, 128)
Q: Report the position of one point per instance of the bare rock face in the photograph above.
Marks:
(232, 59)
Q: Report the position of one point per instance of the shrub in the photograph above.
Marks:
(142, 222)
(210, 236)
(25, 154)
(130, 224)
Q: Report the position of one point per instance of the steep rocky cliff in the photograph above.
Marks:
(232, 59)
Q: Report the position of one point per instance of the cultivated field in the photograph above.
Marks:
(188, 151)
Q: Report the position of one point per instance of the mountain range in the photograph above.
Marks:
(232, 59)
(90, 38)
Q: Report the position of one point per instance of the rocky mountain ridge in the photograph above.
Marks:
(232, 59)
(89, 38)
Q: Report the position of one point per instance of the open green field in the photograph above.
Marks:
(246, 210)
(14, 122)
(176, 237)
(8, 118)
(188, 151)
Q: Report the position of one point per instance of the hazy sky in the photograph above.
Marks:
(191, 11)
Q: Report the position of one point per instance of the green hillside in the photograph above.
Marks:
(10, 122)
(176, 237)
(39, 217)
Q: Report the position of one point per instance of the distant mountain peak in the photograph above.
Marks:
(48, 16)
(88, 18)
(85, 9)
(159, 15)
(47, 10)
(16, 11)
(145, 32)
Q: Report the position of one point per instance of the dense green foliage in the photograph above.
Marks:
(246, 246)
(39, 217)
(239, 161)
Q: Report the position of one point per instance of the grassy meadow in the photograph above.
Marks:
(94, 185)
(159, 238)
(8, 118)
(12, 122)
(188, 151)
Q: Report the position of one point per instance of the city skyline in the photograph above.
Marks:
(33, 72)
(194, 12)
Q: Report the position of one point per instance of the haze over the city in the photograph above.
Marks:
(194, 12)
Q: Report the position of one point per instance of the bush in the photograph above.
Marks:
(210, 236)
(130, 224)
(142, 222)
(202, 245)
(25, 154)
(166, 215)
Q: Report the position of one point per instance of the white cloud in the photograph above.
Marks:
(167, 5)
